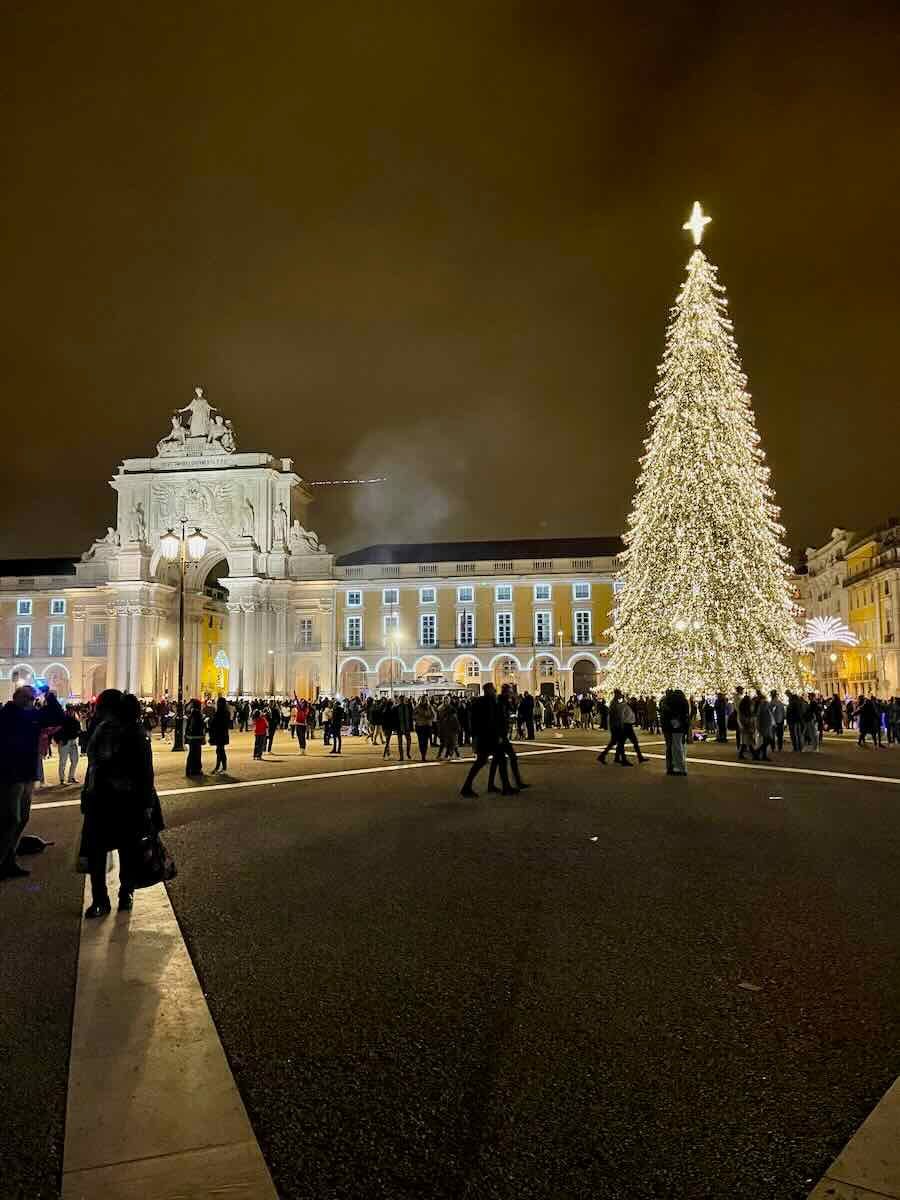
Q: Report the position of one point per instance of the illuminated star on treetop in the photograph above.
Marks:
(697, 222)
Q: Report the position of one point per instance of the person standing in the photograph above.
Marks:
(423, 717)
(674, 716)
(526, 714)
(195, 736)
(219, 726)
(273, 716)
(337, 727)
(449, 730)
(21, 725)
(778, 715)
(720, 708)
(260, 734)
(867, 721)
(66, 738)
(119, 801)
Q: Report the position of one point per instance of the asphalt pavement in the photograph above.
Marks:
(616, 984)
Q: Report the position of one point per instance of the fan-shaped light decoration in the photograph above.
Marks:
(827, 629)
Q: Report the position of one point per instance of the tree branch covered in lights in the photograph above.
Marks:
(705, 602)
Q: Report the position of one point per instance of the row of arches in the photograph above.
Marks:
(466, 670)
(57, 678)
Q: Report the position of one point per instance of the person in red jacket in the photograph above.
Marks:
(260, 734)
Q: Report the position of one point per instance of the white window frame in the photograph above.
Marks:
(24, 608)
(351, 603)
(547, 615)
(51, 650)
(465, 616)
(58, 612)
(465, 594)
(391, 620)
(305, 632)
(548, 587)
(23, 652)
(423, 593)
(428, 621)
(393, 591)
(581, 584)
(351, 643)
(587, 616)
(502, 618)
(503, 587)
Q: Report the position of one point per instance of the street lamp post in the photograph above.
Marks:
(173, 547)
(559, 634)
(272, 673)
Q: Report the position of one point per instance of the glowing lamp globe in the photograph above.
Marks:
(196, 544)
(169, 544)
(833, 656)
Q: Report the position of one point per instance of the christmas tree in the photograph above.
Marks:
(704, 595)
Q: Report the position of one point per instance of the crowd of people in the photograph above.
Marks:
(114, 733)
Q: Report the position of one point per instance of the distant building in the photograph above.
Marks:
(269, 610)
(855, 577)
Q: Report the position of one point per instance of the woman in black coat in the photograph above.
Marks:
(195, 736)
(119, 801)
(219, 725)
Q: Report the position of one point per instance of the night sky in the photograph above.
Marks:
(439, 242)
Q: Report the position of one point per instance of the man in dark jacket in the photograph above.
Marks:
(526, 714)
(489, 726)
(20, 731)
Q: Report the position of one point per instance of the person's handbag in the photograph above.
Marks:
(732, 722)
(148, 862)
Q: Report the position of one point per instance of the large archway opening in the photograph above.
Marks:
(506, 670)
(353, 677)
(546, 674)
(467, 672)
(429, 670)
(58, 680)
(584, 676)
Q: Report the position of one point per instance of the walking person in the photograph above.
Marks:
(21, 725)
(674, 716)
(764, 727)
(449, 730)
(616, 732)
(487, 719)
(423, 716)
(219, 726)
(526, 714)
(66, 738)
(273, 716)
(119, 801)
(867, 721)
(628, 731)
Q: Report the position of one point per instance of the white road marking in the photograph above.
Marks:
(245, 783)
(760, 766)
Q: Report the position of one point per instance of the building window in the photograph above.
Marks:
(391, 596)
(465, 628)
(473, 669)
(97, 645)
(503, 593)
(23, 608)
(354, 633)
(305, 631)
(58, 607)
(354, 599)
(57, 640)
(428, 629)
(23, 638)
(391, 626)
(543, 628)
(581, 591)
(427, 595)
(465, 595)
(547, 668)
(504, 629)
(542, 591)
(582, 627)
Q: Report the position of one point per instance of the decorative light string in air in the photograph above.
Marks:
(344, 482)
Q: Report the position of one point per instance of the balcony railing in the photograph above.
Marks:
(405, 647)
(10, 652)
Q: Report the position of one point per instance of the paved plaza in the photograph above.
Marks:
(616, 984)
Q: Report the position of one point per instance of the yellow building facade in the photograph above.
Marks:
(532, 613)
